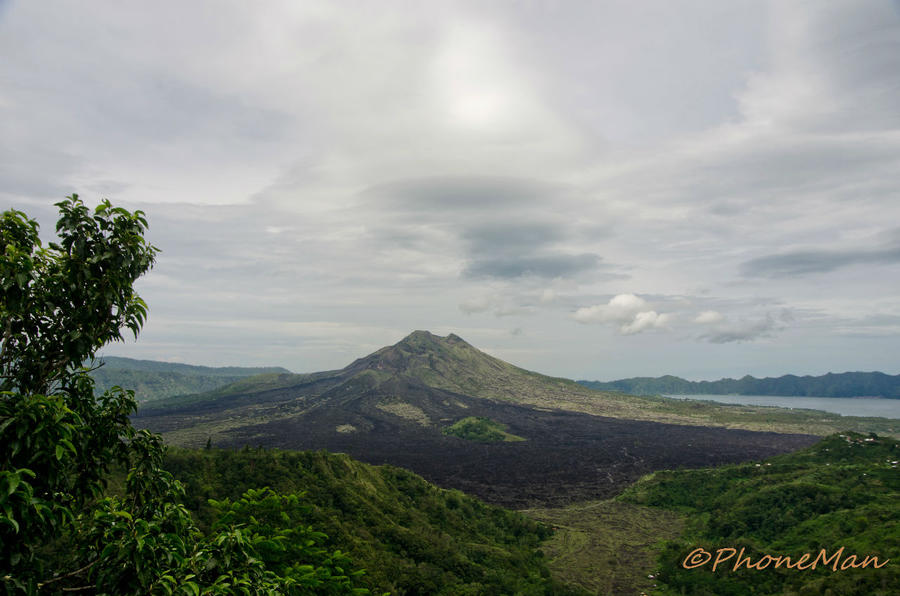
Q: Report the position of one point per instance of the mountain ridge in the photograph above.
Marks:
(152, 379)
(847, 384)
(452, 366)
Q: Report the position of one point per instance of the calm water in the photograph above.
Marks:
(845, 406)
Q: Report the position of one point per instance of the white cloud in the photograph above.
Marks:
(620, 308)
(628, 311)
(643, 321)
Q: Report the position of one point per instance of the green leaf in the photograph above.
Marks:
(12, 482)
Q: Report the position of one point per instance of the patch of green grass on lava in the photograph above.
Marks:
(483, 430)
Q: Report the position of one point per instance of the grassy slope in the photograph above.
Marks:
(412, 537)
(844, 491)
(245, 386)
(607, 547)
(482, 430)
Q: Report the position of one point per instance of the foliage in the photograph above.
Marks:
(58, 305)
(412, 537)
(841, 492)
(60, 529)
(483, 430)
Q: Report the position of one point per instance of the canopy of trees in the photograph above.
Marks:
(62, 529)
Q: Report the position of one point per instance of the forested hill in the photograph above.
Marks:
(848, 384)
(153, 380)
(409, 535)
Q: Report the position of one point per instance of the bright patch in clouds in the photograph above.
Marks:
(708, 317)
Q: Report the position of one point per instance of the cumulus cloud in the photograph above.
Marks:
(628, 311)
(644, 320)
(619, 307)
(708, 317)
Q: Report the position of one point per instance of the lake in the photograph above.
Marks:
(845, 406)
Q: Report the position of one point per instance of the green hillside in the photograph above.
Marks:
(152, 380)
(842, 492)
(410, 536)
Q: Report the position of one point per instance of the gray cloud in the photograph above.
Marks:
(745, 332)
(799, 263)
(461, 193)
(549, 266)
(512, 237)
(509, 250)
(502, 225)
(749, 329)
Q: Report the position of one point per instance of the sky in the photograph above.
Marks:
(594, 190)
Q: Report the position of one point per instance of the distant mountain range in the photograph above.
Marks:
(153, 380)
(848, 384)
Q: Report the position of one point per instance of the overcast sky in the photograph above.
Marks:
(593, 190)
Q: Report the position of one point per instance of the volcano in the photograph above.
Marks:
(396, 406)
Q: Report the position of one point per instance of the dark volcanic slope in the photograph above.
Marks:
(567, 456)
(390, 407)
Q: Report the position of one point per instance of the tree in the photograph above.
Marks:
(58, 305)
(60, 528)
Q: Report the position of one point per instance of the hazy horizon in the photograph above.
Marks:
(103, 354)
(591, 190)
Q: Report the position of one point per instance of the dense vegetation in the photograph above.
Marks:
(412, 537)
(61, 529)
(842, 492)
(848, 384)
(483, 430)
(151, 380)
